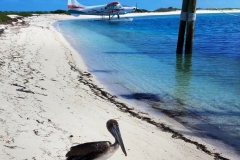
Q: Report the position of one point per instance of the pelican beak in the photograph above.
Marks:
(117, 135)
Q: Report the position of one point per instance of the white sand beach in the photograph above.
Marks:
(50, 102)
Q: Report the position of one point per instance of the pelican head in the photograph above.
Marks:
(112, 126)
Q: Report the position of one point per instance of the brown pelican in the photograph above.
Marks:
(98, 150)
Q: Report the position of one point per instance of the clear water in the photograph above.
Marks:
(202, 90)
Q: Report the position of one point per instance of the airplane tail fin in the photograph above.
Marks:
(74, 4)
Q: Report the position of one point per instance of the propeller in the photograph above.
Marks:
(136, 7)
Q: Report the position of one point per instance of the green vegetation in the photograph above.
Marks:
(60, 12)
(166, 9)
(141, 10)
(158, 10)
(4, 17)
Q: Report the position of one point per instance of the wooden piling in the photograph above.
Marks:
(190, 26)
(182, 26)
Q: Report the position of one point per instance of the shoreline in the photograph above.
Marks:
(58, 84)
(165, 113)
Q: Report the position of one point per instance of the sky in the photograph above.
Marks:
(50, 5)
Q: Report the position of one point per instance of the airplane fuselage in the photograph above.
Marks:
(113, 8)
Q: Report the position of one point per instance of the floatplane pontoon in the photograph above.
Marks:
(111, 9)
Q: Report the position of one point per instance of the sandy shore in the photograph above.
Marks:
(49, 102)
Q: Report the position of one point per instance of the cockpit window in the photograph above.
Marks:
(113, 6)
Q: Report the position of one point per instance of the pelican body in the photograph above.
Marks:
(101, 150)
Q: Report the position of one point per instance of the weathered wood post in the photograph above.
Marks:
(182, 26)
(190, 26)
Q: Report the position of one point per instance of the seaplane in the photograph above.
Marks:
(111, 9)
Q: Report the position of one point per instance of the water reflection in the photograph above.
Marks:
(183, 75)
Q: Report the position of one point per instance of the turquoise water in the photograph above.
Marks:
(137, 60)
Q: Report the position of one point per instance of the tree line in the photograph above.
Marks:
(4, 17)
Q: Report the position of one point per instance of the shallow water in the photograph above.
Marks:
(201, 90)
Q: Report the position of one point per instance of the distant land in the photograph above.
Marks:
(4, 17)
(169, 9)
